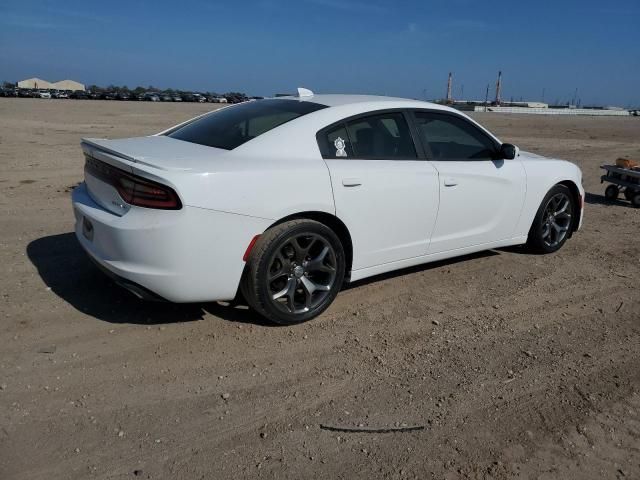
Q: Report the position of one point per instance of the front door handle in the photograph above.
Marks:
(351, 182)
(450, 182)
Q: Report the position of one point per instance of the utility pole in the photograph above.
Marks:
(449, 85)
(486, 99)
(499, 88)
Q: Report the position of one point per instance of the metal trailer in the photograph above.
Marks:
(622, 180)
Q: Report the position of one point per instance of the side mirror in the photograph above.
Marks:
(508, 151)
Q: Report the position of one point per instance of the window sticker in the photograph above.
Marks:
(340, 147)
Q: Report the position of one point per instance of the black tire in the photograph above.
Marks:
(281, 246)
(635, 200)
(538, 240)
(629, 193)
(611, 192)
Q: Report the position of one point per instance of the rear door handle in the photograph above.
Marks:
(351, 182)
(450, 182)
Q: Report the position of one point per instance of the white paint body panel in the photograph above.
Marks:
(391, 211)
(542, 174)
(188, 255)
(480, 202)
(400, 215)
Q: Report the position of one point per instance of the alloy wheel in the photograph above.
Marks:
(557, 219)
(302, 272)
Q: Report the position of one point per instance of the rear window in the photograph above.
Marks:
(230, 127)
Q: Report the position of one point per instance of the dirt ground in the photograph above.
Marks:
(517, 365)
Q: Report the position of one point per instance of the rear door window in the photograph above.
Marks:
(383, 136)
(338, 143)
(231, 127)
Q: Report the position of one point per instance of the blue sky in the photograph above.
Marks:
(403, 47)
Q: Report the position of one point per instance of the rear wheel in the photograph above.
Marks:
(629, 193)
(294, 272)
(635, 200)
(552, 223)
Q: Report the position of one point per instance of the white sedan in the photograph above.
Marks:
(284, 200)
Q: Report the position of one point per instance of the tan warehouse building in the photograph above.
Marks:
(36, 83)
(68, 85)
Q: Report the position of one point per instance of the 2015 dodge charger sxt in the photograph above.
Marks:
(286, 199)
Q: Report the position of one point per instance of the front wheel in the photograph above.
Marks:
(294, 271)
(611, 192)
(553, 221)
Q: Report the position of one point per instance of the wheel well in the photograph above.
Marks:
(335, 224)
(575, 193)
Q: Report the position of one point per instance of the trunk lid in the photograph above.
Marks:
(148, 157)
(161, 152)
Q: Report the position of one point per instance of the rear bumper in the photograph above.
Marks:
(138, 290)
(187, 255)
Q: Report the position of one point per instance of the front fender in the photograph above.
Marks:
(542, 174)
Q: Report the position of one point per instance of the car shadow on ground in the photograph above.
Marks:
(66, 269)
(595, 199)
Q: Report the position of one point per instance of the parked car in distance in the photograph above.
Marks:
(79, 95)
(199, 98)
(165, 97)
(217, 100)
(176, 98)
(42, 94)
(8, 92)
(236, 98)
(151, 97)
(287, 199)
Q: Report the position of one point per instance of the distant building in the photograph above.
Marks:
(68, 85)
(38, 83)
(472, 103)
(34, 83)
(526, 104)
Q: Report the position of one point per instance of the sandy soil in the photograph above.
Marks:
(518, 366)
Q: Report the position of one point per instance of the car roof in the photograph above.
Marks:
(299, 135)
(377, 101)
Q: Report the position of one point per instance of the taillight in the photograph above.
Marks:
(133, 189)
